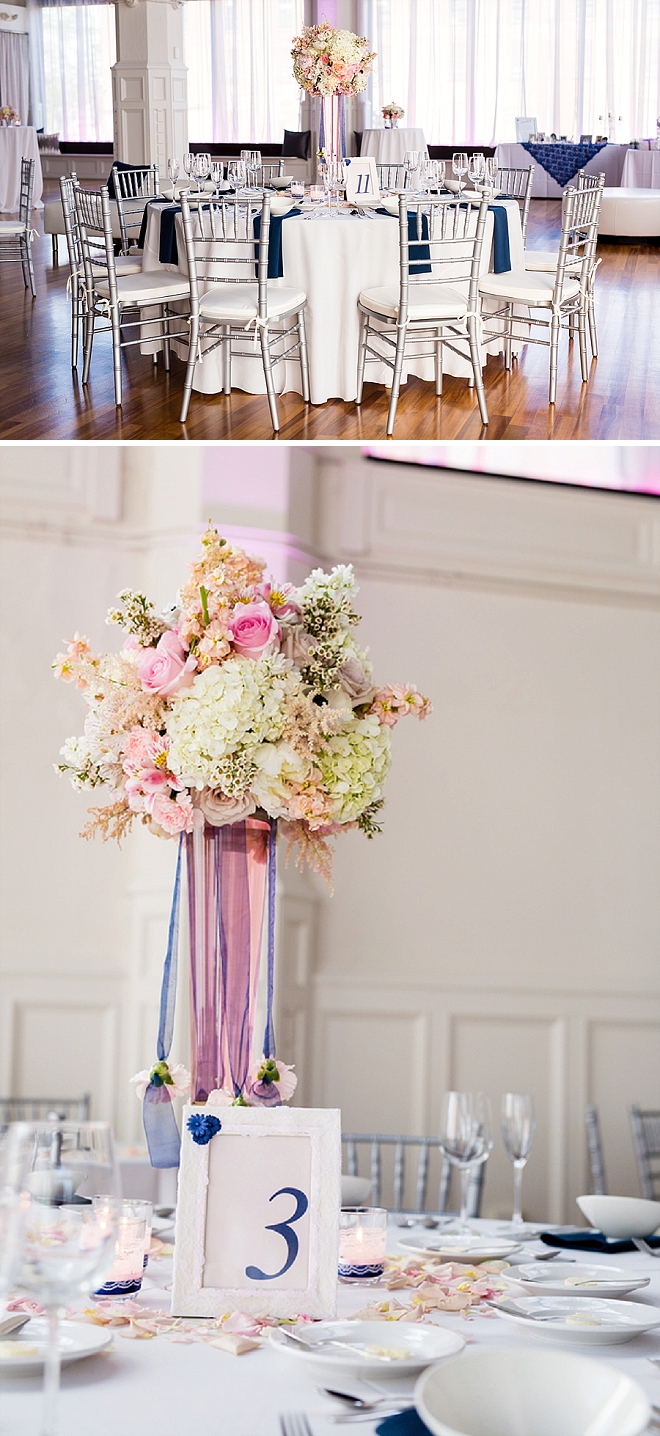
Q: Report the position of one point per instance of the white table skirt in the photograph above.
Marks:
(332, 260)
(389, 147)
(18, 142)
(641, 170)
(608, 161)
(142, 1387)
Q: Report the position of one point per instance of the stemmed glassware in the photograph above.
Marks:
(411, 162)
(459, 165)
(173, 170)
(252, 161)
(332, 180)
(202, 168)
(490, 173)
(189, 165)
(236, 174)
(67, 1246)
(217, 173)
(477, 169)
(466, 1139)
(518, 1127)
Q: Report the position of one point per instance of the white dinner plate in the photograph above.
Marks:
(573, 1279)
(459, 1248)
(422, 1345)
(607, 1323)
(77, 1340)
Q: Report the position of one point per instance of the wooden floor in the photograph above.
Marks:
(42, 399)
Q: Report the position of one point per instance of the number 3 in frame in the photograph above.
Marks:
(284, 1229)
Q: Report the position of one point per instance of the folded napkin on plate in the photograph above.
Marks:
(405, 1423)
(586, 1240)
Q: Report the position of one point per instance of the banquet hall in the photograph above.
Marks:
(490, 933)
(457, 208)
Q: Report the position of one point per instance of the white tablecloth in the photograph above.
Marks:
(18, 142)
(641, 170)
(332, 260)
(141, 1388)
(389, 147)
(608, 161)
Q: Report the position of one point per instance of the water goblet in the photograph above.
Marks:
(490, 173)
(459, 165)
(477, 169)
(254, 165)
(411, 162)
(518, 1127)
(466, 1139)
(202, 168)
(173, 170)
(217, 173)
(189, 164)
(67, 1246)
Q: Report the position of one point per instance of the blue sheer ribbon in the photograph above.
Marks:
(160, 1126)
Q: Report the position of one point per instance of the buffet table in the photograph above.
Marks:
(332, 259)
(141, 1387)
(641, 170)
(609, 161)
(18, 142)
(389, 147)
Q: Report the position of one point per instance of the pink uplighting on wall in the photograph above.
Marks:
(626, 468)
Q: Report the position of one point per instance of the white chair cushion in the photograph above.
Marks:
(150, 288)
(239, 303)
(124, 265)
(9, 227)
(527, 288)
(632, 213)
(425, 301)
(53, 217)
(545, 261)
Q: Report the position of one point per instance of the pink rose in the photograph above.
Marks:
(219, 809)
(165, 669)
(175, 815)
(255, 632)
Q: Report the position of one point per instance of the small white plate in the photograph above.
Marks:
(77, 1340)
(423, 1345)
(614, 1321)
(572, 1279)
(459, 1249)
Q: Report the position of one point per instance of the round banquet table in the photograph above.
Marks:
(142, 1387)
(332, 259)
(641, 170)
(389, 147)
(608, 161)
(18, 142)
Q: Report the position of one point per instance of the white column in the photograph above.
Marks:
(149, 82)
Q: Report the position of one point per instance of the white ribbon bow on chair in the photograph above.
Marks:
(258, 324)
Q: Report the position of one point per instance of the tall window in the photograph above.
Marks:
(240, 82)
(463, 69)
(79, 47)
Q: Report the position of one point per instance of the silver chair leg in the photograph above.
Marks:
(592, 324)
(507, 339)
(54, 249)
(554, 345)
(304, 357)
(362, 354)
(115, 321)
(75, 321)
(166, 341)
(226, 359)
(268, 375)
(30, 266)
(475, 356)
(582, 335)
(87, 345)
(396, 378)
(437, 355)
(190, 368)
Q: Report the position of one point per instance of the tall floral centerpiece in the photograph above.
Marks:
(243, 711)
(331, 63)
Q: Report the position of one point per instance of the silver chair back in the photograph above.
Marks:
(518, 184)
(264, 173)
(76, 265)
(27, 186)
(377, 1141)
(133, 189)
(595, 1149)
(220, 243)
(579, 235)
(18, 247)
(43, 1109)
(455, 241)
(646, 1137)
(392, 177)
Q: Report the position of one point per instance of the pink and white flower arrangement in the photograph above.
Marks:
(392, 111)
(327, 61)
(242, 697)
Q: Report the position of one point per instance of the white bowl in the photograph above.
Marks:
(355, 1191)
(422, 1345)
(622, 1217)
(280, 181)
(281, 204)
(540, 1393)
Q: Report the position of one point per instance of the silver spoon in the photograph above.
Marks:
(313, 1346)
(360, 1403)
(644, 1247)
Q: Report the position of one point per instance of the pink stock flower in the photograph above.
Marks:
(174, 815)
(166, 668)
(255, 632)
(398, 699)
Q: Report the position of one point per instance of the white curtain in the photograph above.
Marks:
(73, 46)
(240, 81)
(464, 69)
(15, 73)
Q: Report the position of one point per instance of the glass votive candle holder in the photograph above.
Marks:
(125, 1276)
(297, 189)
(362, 1243)
(317, 193)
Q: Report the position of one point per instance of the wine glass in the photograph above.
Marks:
(477, 169)
(518, 1127)
(490, 173)
(217, 173)
(254, 164)
(411, 162)
(173, 170)
(189, 165)
(14, 1165)
(202, 168)
(459, 165)
(236, 174)
(332, 179)
(466, 1138)
(67, 1245)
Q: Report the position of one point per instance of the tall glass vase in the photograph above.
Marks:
(332, 133)
(227, 870)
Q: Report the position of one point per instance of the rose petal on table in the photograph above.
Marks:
(234, 1343)
(135, 1331)
(240, 1324)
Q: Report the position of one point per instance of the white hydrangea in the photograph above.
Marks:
(278, 765)
(340, 582)
(230, 706)
(354, 764)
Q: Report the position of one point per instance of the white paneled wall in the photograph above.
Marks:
(503, 931)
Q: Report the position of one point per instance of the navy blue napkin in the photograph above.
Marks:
(501, 252)
(417, 251)
(275, 266)
(405, 1423)
(586, 1240)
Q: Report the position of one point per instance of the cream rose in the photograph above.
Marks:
(219, 809)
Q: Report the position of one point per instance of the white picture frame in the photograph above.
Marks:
(525, 128)
(233, 1249)
(361, 180)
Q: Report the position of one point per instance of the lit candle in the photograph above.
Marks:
(362, 1243)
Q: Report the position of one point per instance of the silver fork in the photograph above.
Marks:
(295, 1423)
(644, 1247)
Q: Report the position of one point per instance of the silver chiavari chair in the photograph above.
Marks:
(228, 298)
(108, 294)
(392, 177)
(16, 235)
(264, 173)
(377, 1143)
(428, 309)
(76, 285)
(545, 261)
(595, 1149)
(517, 184)
(133, 190)
(43, 1109)
(564, 293)
(646, 1136)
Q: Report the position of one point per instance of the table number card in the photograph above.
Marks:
(362, 180)
(258, 1212)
